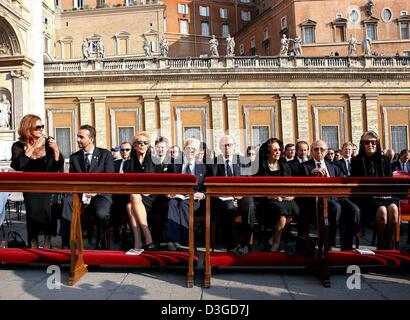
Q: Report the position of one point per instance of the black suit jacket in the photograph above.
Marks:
(200, 172)
(101, 162)
(308, 166)
(342, 165)
(396, 166)
(218, 169)
(294, 166)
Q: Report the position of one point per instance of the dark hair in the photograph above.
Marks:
(161, 139)
(402, 152)
(91, 130)
(249, 148)
(301, 142)
(289, 145)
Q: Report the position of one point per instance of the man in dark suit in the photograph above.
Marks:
(344, 163)
(341, 210)
(161, 158)
(230, 164)
(302, 155)
(403, 164)
(89, 159)
(178, 206)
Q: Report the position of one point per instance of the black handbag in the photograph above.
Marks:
(15, 240)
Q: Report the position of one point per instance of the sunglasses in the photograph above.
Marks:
(39, 127)
(319, 149)
(229, 145)
(275, 150)
(126, 149)
(373, 142)
(141, 143)
(251, 154)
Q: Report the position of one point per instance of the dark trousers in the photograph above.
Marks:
(178, 220)
(99, 205)
(227, 212)
(349, 223)
(308, 212)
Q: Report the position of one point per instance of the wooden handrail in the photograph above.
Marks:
(321, 188)
(155, 183)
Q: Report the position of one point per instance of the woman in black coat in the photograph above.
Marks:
(277, 211)
(370, 162)
(34, 152)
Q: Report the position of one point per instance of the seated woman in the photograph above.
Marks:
(278, 211)
(141, 162)
(370, 162)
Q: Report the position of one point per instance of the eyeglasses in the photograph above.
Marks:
(373, 142)
(126, 149)
(141, 142)
(39, 127)
(229, 145)
(251, 154)
(319, 149)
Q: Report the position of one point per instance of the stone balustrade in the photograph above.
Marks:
(256, 63)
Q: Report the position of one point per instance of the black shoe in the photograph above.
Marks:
(149, 247)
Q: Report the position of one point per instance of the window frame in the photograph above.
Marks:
(394, 147)
(187, 26)
(382, 14)
(203, 23)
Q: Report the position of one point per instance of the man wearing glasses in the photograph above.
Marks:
(125, 152)
(227, 208)
(341, 210)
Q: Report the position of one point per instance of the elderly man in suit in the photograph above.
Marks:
(231, 164)
(341, 210)
(178, 206)
(90, 159)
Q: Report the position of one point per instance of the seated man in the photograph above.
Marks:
(89, 159)
(339, 208)
(229, 164)
(178, 206)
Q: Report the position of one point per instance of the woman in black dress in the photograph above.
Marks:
(278, 211)
(141, 162)
(34, 152)
(370, 162)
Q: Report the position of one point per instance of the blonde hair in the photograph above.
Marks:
(27, 124)
(144, 134)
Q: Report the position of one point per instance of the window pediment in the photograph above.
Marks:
(308, 23)
(370, 20)
(339, 21)
(404, 18)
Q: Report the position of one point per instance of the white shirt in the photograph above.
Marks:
(322, 165)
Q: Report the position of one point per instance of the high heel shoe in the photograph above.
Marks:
(149, 246)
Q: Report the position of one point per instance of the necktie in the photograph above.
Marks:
(87, 162)
(228, 169)
(188, 168)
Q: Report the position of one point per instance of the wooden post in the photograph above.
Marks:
(77, 268)
(191, 242)
(207, 276)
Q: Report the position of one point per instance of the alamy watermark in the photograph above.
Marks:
(54, 280)
(354, 281)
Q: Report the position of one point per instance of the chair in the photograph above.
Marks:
(404, 213)
(15, 199)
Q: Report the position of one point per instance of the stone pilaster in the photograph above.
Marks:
(372, 114)
(165, 116)
(150, 114)
(356, 115)
(288, 123)
(233, 115)
(100, 122)
(217, 121)
(85, 110)
(302, 118)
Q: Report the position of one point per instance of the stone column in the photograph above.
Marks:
(356, 115)
(150, 114)
(372, 114)
(85, 110)
(302, 118)
(165, 116)
(100, 122)
(288, 123)
(20, 100)
(233, 114)
(217, 121)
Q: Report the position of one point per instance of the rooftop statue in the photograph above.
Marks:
(213, 46)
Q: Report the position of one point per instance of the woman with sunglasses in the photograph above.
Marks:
(34, 152)
(141, 162)
(370, 162)
(278, 212)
